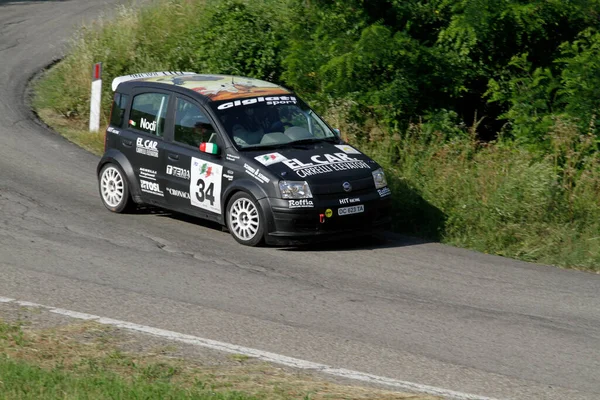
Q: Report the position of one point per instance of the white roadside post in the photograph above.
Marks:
(95, 98)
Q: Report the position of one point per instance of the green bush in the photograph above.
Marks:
(499, 198)
(417, 83)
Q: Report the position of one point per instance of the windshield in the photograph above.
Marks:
(271, 121)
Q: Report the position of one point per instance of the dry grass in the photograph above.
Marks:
(74, 130)
(90, 348)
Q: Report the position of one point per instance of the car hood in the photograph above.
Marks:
(319, 163)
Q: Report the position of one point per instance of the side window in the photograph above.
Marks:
(118, 109)
(192, 126)
(148, 113)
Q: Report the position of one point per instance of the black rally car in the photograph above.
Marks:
(246, 153)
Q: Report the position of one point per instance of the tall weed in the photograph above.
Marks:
(496, 197)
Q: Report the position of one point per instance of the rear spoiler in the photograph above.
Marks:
(141, 75)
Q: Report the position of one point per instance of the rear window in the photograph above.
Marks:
(148, 113)
(118, 109)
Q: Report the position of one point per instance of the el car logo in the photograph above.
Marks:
(146, 144)
(332, 162)
(150, 126)
(147, 147)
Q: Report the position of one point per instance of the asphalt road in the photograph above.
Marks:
(419, 312)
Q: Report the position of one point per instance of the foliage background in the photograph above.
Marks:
(482, 111)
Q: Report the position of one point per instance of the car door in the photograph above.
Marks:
(193, 178)
(143, 141)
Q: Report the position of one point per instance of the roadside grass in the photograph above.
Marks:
(498, 198)
(57, 363)
(74, 130)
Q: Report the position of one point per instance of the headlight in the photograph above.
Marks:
(379, 178)
(294, 190)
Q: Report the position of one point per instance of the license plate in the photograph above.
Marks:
(351, 210)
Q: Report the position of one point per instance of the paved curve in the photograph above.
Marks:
(424, 313)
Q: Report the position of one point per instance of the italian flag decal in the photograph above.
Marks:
(132, 123)
(210, 148)
(271, 158)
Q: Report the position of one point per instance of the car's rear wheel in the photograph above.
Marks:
(114, 189)
(245, 220)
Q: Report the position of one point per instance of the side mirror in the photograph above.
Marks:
(337, 132)
(210, 148)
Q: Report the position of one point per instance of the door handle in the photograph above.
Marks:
(173, 157)
(127, 143)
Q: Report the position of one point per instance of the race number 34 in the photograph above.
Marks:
(205, 185)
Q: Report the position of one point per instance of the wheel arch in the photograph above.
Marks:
(116, 157)
(256, 191)
(243, 185)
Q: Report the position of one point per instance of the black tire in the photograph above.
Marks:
(114, 189)
(245, 220)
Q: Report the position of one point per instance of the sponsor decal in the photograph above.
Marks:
(270, 100)
(271, 158)
(113, 130)
(324, 164)
(347, 149)
(228, 175)
(148, 174)
(349, 200)
(205, 185)
(231, 157)
(256, 174)
(151, 187)
(304, 203)
(384, 191)
(146, 147)
(178, 172)
(210, 148)
(328, 213)
(178, 193)
(147, 125)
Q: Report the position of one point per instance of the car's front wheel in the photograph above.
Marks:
(114, 189)
(245, 220)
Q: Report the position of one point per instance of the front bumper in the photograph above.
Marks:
(305, 225)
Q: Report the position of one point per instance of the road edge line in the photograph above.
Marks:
(255, 353)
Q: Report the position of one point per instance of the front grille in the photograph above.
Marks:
(359, 186)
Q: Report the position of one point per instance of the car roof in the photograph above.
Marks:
(213, 87)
